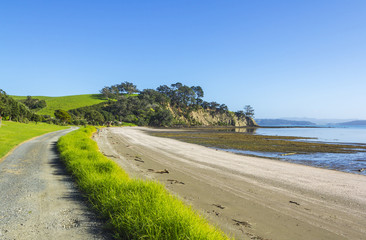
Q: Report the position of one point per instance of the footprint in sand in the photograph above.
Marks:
(174, 181)
(219, 206)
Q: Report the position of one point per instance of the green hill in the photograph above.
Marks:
(65, 103)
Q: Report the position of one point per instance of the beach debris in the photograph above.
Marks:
(107, 155)
(162, 171)
(216, 213)
(219, 206)
(293, 202)
(174, 181)
(362, 169)
(158, 171)
(213, 211)
(242, 223)
(288, 154)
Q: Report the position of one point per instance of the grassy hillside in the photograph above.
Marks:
(66, 102)
(14, 133)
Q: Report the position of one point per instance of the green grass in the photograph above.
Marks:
(65, 103)
(134, 209)
(14, 133)
(257, 143)
(126, 124)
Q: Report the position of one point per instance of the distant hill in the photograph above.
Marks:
(354, 123)
(65, 103)
(283, 122)
(319, 121)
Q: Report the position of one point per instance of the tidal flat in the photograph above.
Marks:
(246, 139)
(346, 157)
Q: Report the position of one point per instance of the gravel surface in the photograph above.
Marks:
(38, 198)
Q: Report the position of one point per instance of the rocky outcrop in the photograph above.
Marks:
(203, 117)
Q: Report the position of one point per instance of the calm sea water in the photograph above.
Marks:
(342, 134)
(351, 163)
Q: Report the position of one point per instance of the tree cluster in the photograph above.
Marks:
(248, 112)
(181, 96)
(34, 103)
(12, 110)
(118, 90)
(147, 108)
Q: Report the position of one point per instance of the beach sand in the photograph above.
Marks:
(246, 197)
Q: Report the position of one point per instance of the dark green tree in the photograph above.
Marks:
(162, 117)
(240, 114)
(33, 103)
(94, 117)
(248, 111)
(62, 115)
(127, 88)
(199, 94)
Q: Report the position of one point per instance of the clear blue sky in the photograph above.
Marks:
(285, 58)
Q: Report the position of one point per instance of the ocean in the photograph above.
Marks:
(351, 163)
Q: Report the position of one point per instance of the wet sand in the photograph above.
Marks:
(247, 197)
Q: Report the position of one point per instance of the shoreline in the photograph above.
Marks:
(245, 196)
(341, 156)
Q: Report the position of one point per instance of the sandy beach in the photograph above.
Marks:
(247, 197)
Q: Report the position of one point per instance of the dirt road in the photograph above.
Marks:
(38, 200)
(248, 197)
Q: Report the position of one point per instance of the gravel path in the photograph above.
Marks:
(38, 199)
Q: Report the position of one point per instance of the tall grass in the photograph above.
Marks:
(14, 133)
(134, 209)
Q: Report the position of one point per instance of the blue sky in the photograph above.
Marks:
(285, 58)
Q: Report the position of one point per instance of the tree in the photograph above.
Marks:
(107, 92)
(164, 89)
(185, 96)
(162, 117)
(240, 114)
(34, 103)
(213, 105)
(127, 87)
(199, 94)
(62, 115)
(152, 96)
(94, 116)
(248, 111)
(223, 108)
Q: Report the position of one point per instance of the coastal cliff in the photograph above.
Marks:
(202, 117)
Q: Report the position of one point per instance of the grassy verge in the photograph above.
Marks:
(14, 133)
(126, 124)
(257, 143)
(134, 209)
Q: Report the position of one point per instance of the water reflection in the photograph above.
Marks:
(249, 130)
(245, 130)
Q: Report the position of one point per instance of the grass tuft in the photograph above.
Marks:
(134, 209)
